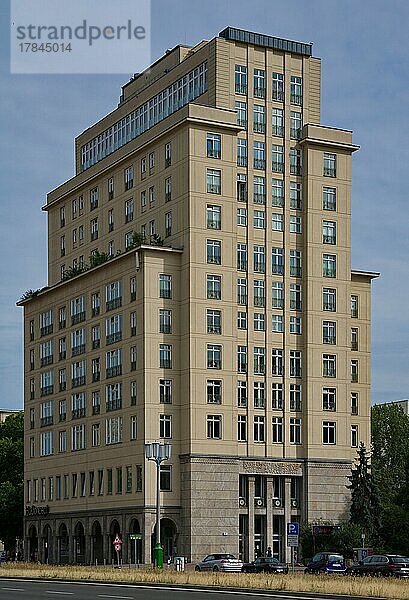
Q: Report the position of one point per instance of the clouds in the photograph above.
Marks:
(365, 68)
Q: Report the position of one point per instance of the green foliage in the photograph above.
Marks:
(343, 540)
(11, 478)
(97, 258)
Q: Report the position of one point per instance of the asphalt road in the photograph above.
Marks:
(24, 589)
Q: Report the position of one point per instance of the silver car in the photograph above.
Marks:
(220, 562)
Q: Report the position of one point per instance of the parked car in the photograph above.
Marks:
(220, 562)
(265, 564)
(381, 564)
(326, 562)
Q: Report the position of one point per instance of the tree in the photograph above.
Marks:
(365, 502)
(11, 479)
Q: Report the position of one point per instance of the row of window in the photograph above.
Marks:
(260, 84)
(260, 120)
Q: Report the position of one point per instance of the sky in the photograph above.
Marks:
(364, 47)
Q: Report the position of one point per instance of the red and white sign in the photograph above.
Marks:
(118, 541)
(117, 547)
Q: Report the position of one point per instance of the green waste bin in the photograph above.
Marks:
(158, 556)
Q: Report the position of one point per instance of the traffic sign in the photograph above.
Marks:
(117, 540)
(118, 547)
(135, 536)
(293, 528)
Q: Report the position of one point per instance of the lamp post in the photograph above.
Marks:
(158, 453)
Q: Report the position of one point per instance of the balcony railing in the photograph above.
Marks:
(242, 265)
(259, 402)
(295, 271)
(113, 371)
(329, 405)
(62, 386)
(277, 303)
(77, 381)
(214, 224)
(214, 294)
(114, 303)
(214, 329)
(214, 188)
(78, 318)
(277, 201)
(62, 324)
(296, 99)
(46, 330)
(295, 405)
(329, 339)
(214, 398)
(295, 169)
(354, 345)
(96, 344)
(47, 390)
(241, 88)
(78, 413)
(78, 350)
(46, 360)
(113, 404)
(242, 161)
(278, 130)
(295, 133)
(329, 239)
(259, 127)
(277, 269)
(329, 272)
(259, 163)
(278, 95)
(330, 306)
(214, 260)
(164, 328)
(96, 376)
(259, 92)
(96, 409)
(95, 311)
(259, 198)
(114, 337)
(165, 363)
(296, 203)
(242, 122)
(330, 172)
(214, 364)
(277, 167)
(45, 421)
(242, 299)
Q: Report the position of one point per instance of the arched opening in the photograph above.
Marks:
(97, 543)
(79, 543)
(63, 544)
(135, 545)
(47, 544)
(114, 530)
(33, 543)
(168, 538)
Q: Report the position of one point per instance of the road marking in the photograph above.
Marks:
(53, 592)
(117, 597)
(13, 589)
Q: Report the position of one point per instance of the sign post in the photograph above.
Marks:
(293, 530)
(135, 537)
(117, 546)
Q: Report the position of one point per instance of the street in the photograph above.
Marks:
(19, 589)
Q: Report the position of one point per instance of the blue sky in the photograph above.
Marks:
(365, 62)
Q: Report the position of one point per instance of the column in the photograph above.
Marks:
(251, 518)
(287, 515)
(269, 513)
(147, 537)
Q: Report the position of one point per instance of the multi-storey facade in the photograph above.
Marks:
(231, 325)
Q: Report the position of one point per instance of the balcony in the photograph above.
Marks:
(114, 303)
(259, 128)
(78, 413)
(242, 368)
(46, 360)
(133, 365)
(113, 405)
(113, 371)
(277, 303)
(47, 390)
(114, 337)
(46, 330)
(62, 355)
(295, 271)
(259, 163)
(295, 372)
(46, 421)
(78, 318)
(133, 296)
(277, 167)
(242, 161)
(77, 381)
(78, 350)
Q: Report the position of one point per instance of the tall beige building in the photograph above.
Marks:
(200, 292)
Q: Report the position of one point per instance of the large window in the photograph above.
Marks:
(278, 86)
(214, 181)
(240, 79)
(242, 394)
(214, 391)
(214, 321)
(277, 294)
(295, 363)
(241, 257)
(214, 426)
(277, 430)
(278, 122)
(165, 356)
(214, 217)
(296, 90)
(277, 362)
(259, 83)
(329, 265)
(329, 399)
(165, 391)
(259, 429)
(214, 287)
(329, 332)
(295, 430)
(259, 259)
(329, 365)
(214, 356)
(113, 430)
(241, 110)
(330, 165)
(277, 261)
(165, 426)
(329, 432)
(259, 122)
(165, 478)
(165, 286)
(214, 145)
(214, 252)
(277, 155)
(242, 428)
(241, 152)
(259, 394)
(165, 321)
(329, 299)
(277, 396)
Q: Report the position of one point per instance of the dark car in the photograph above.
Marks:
(326, 562)
(390, 565)
(265, 564)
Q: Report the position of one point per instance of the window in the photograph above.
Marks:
(78, 406)
(96, 336)
(241, 187)
(329, 432)
(277, 430)
(259, 394)
(296, 90)
(278, 122)
(242, 257)
(143, 200)
(242, 394)
(277, 221)
(93, 198)
(242, 217)
(277, 155)
(168, 154)
(259, 83)
(277, 323)
(259, 189)
(214, 179)
(151, 159)
(354, 371)
(134, 393)
(259, 123)
(329, 332)
(113, 430)
(168, 189)
(32, 447)
(62, 216)
(330, 165)
(241, 428)
(259, 322)
(354, 436)
(46, 383)
(354, 307)
(46, 443)
(113, 363)
(62, 411)
(132, 322)
(134, 427)
(277, 294)
(259, 293)
(165, 286)
(214, 217)
(214, 391)
(295, 325)
(277, 261)
(295, 431)
(329, 365)
(241, 152)
(329, 399)
(214, 287)
(295, 195)
(295, 363)
(111, 188)
(259, 219)
(277, 396)
(113, 396)
(277, 361)
(109, 481)
(329, 232)
(62, 245)
(354, 338)
(329, 265)
(128, 479)
(168, 224)
(165, 478)
(214, 356)
(295, 224)
(295, 296)
(242, 359)
(329, 299)
(240, 79)
(259, 155)
(278, 86)
(259, 259)
(259, 429)
(241, 320)
(214, 426)
(129, 211)
(329, 200)
(214, 321)
(214, 145)
(165, 356)
(78, 437)
(165, 321)
(96, 402)
(259, 361)
(295, 125)
(354, 403)
(113, 295)
(241, 110)
(165, 426)
(295, 263)
(277, 192)
(295, 161)
(46, 322)
(96, 435)
(242, 291)
(214, 252)
(128, 177)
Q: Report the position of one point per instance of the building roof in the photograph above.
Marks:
(268, 41)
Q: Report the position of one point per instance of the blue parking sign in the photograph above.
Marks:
(293, 528)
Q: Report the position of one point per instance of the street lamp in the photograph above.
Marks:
(158, 453)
